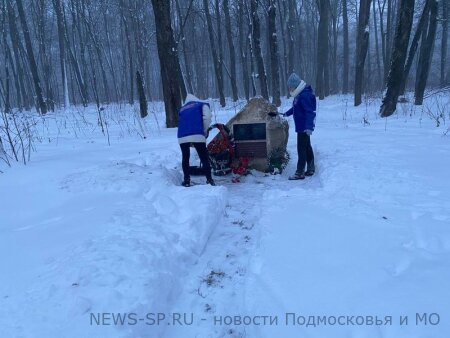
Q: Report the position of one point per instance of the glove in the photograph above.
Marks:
(308, 132)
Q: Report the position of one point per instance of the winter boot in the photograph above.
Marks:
(210, 181)
(310, 169)
(297, 176)
(186, 182)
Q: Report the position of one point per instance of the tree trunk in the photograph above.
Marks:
(109, 57)
(334, 63)
(345, 86)
(77, 9)
(290, 36)
(388, 34)
(383, 40)
(421, 26)
(284, 62)
(6, 96)
(322, 82)
(251, 49)
(62, 50)
(426, 54)
(80, 79)
(219, 39)
(172, 82)
(273, 48)
(243, 50)
(362, 44)
(131, 52)
(33, 66)
(377, 47)
(16, 45)
(398, 57)
(217, 64)
(39, 9)
(234, 89)
(182, 39)
(256, 35)
(444, 43)
(141, 93)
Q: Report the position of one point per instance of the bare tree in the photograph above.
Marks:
(444, 42)
(89, 51)
(22, 94)
(243, 48)
(377, 46)
(388, 34)
(346, 48)
(398, 57)
(256, 35)
(322, 82)
(362, 44)
(32, 61)
(173, 85)
(141, 94)
(226, 10)
(216, 60)
(421, 27)
(426, 53)
(290, 30)
(62, 50)
(273, 49)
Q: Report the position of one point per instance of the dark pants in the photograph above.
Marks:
(305, 153)
(202, 153)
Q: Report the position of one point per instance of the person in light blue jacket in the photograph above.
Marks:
(193, 124)
(304, 112)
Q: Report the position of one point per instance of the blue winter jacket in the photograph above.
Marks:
(304, 110)
(191, 119)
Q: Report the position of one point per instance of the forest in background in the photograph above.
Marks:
(56, 53)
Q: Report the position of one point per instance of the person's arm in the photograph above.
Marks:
(206, 118)
(289, 112)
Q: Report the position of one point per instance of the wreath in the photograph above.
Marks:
(277, 160)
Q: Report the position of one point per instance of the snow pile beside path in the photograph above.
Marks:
(146, 233)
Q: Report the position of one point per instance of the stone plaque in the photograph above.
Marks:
(256, 149)
(249, 131)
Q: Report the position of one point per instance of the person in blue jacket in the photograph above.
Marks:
(193, 124)
(304, 111)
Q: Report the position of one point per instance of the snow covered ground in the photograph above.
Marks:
(100, 240)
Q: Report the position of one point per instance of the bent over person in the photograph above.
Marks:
(194, 121)
(304, 111)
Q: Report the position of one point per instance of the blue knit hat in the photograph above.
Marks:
(293, 81)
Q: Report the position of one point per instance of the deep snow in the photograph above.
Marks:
(90, 229)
